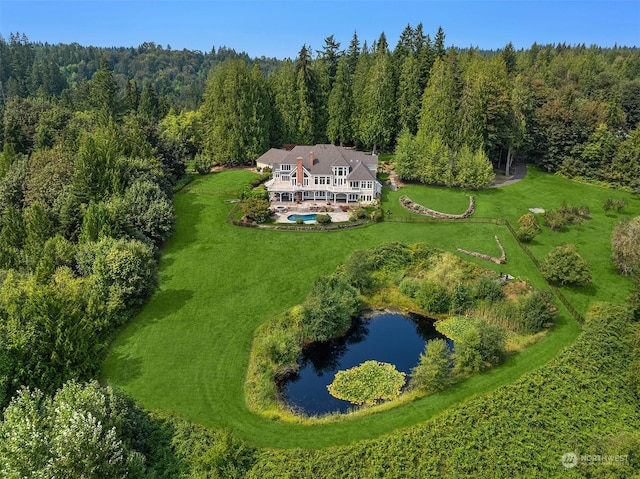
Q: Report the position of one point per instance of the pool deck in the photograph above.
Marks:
(306, 208)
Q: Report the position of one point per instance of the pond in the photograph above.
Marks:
(388, 337)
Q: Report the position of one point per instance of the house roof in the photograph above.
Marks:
(361, 172)
(324, 156)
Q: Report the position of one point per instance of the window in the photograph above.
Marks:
(355, 184)
(285, 178)
(285, 167)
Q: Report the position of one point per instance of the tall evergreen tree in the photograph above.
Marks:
(377, 121)
(440, 103)
(285, 100)
(236, 113)
(341, 105)
(409, 94)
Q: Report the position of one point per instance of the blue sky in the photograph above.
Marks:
(280, 28)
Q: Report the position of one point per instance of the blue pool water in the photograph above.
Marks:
(311, 217)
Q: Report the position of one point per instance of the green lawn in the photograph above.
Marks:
(187, 351)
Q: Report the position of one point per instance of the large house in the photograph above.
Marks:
(325, 173)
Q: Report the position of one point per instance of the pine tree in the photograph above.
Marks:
(440, 104)
(341, 105)
(433, 373)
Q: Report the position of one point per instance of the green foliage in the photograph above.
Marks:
(201, 452)
(467, 357)
(554, 220)
(564, 265)
(299, 221)
(537, 311)
(149, 210)
(256, 209)
(368, 383)
(83, 431)
(327, 312)
(236, 113)
(357, 269)
(433, 297)
(625, 246)
(551, 397)
(461, 299)
(323, 219)
(360, 213)
(528, 227)
(433, 372)
(390, 256)
(488, 288)
(481, 347)
(203, 163)
(409, 286)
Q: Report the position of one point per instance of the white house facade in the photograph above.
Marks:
(325, 173)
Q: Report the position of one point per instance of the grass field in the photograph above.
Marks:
(187, 351)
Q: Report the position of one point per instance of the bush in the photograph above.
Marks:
(377, 216)
(554, 220)
(299, 221)
(487, 288)
(360, 213)
(323, 219)
(625, 246)
(461, 299)
(536, 311)
(409, 287)
(482, 346)
(493, 342)
(256, 209)
(202, 164)
(433, 298)
(528, 227)
(564, 265)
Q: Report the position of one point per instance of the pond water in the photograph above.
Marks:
(388, 337)
(310, 217)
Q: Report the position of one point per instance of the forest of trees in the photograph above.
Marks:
(568, 109)
(94, 141)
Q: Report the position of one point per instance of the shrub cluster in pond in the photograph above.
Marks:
(368, 383)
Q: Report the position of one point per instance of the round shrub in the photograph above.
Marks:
(323, 219)
(299, 221)
(564, 265)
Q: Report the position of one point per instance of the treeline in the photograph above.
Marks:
(85, 202)
(176, 76)
(568, 109)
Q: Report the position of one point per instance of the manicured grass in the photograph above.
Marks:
(187, 351)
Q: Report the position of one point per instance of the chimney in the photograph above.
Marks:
(300, 173)
(311, 159)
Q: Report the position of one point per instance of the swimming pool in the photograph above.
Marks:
(311, 217)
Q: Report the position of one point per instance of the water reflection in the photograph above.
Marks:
(388, 337)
